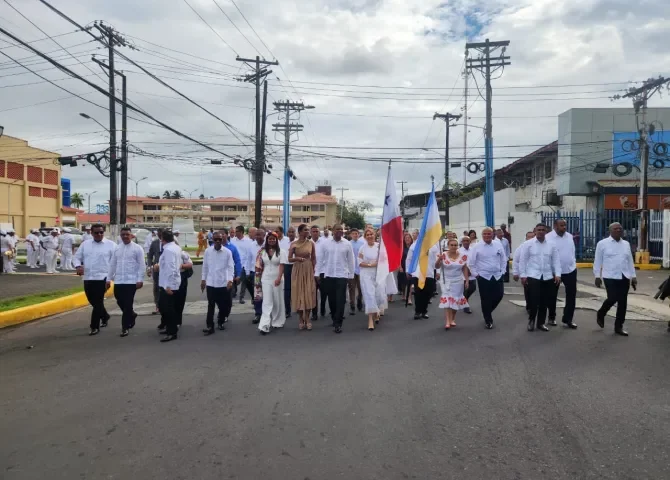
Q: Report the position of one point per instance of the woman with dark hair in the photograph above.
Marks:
(269, 283)
(473, 237)
(404, 285)
(302, 255)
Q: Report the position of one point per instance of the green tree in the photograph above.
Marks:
(176, 195)
(201, 196)
(77, 200)
(167, 194)
(352, 214)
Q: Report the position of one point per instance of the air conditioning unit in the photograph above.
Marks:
(552, 198)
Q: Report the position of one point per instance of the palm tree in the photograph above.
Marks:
(201, 196)
(176, 195)
(77, 200)
(167, 194)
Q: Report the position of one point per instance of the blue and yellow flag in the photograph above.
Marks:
(429, 236)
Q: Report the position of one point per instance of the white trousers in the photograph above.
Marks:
(66, 260)
(31, 257)
(6, 264)
(50, 259)
(274, 314)
(41, 256)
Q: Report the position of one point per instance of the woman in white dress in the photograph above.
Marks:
(454, 276)
(373, 294)
(269, 283)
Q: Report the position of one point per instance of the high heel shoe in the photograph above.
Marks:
(309, 327)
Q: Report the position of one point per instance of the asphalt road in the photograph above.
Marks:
(408, 401)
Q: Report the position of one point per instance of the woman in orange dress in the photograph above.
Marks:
(202, 242)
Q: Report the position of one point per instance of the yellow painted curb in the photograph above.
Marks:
(45, 309)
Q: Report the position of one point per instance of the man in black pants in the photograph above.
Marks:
(423, 295)
(153, 256)
(566, 251)
(218, 272)
(288, 269)
(185, 271)
(487, 264)
(126, 270)
(466, 251)
(540, 269)
(321, 290)
(516, 261)
(338, 268)
(169, 281)
(614, 263)
(92, 261)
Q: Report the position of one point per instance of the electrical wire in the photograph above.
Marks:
(233, 23)
(210, 27)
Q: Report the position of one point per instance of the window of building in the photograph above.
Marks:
(14, 171)
(539, 173)
(2, 169)
(528, 177)
(34, 191)
(34, 174)
(49, 193)
(549, 170)
(217, 219)
(51, 177)
(150, 207)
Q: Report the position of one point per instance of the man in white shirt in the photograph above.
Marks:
(566, 251)
(242, 244)
(218, 273)
(614, 264)
(32, 244)
(87, 234)
(422, 295)
(5, 246)
(466, 251)
(66, 250)
(92, 261)
(540, 269)
(288, 267)
(50, 246)
(126, 270)
(148, 240)
(338, 267)
(515, 268)
(500, 236)
(355, 294)
(319, 244)
(487, 264)
(254, 248)
(169, 281)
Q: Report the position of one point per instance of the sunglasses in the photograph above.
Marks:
(98, 233)
(218, 239)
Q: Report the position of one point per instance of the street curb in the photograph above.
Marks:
(46, 309)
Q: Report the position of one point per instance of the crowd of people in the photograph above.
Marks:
(306, 271)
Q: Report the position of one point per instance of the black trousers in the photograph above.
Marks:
(540, 293)
(323, 292)
(422, 295)
(154, 276)
(288, 269)
(336, 292)
(180, 299)
(95, 294)
(166, 305)
(125, 296)
(526, 296)
(222, 298)
(506, 274)
(248, 284)
(355, 294)
(491, 292)
(569, 280)
(242, 285)
(617, 292)
(472, 288)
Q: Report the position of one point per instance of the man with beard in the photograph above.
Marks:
(218, 271)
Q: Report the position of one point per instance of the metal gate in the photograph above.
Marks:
(656, 235)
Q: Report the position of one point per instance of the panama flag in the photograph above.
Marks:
(390, 245)
(429, 235)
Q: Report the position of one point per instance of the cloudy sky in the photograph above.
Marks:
(375, 70)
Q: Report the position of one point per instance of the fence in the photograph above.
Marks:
(588, 228)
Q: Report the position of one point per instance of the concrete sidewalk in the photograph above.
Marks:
(32, 281)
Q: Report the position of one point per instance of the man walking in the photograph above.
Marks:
(516, 261)
(218, 270)
(614, 264)
(92, 261)
(242, 244)
(500, 236)
(237, 262)
(566, 252)
(288, 268)
(487, 264)
(169, 281)
(50, 246)
(319, 244)
(355, 294)
(540, 269)
(423, 295)
(338, 268)
(466, 251)
(153, 258)
(126, 270)
(254, 248)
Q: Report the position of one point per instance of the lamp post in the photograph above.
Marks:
(89, 200)
(137, 199)
(190, 203)
(88, 117)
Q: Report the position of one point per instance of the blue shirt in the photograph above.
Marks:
(236, 258)
(356, 247)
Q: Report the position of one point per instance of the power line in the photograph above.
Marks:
(210, 27)
(233, 23)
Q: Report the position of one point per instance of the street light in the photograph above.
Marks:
(2, 130)
(137, 200)
(89, 200)
(91, 118)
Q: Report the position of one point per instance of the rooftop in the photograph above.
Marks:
(306, 199)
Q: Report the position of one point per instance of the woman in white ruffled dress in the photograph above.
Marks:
(454, 277)
(373, 294)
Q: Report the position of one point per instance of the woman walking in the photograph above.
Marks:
(302, 256)
(404, 284)
(454, 276)
(373, 294)
(269, 283)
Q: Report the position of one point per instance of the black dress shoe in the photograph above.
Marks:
(467, 310)
(94, 331)
(531, 326)
(425, 316)
(124, 333)
(621, 332)
(134, 318)
(338, 329)
(221, 326)
(169, 338)
(489, 326)
(552, 322)
(162, 332)
(103, 323)
(208, 331)
(417, 317)
(601, 321)
(161, 326)
(256, 320)
(544, 328)
(572, 325)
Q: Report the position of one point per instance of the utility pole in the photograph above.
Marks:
(123, 199)
(287, 128)
(342, 189)
(466, 77)
(111, 38)
(260, 166)
(486, 66)
(447, 117)
(402, 202)
(640, 98)
(256, 78)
